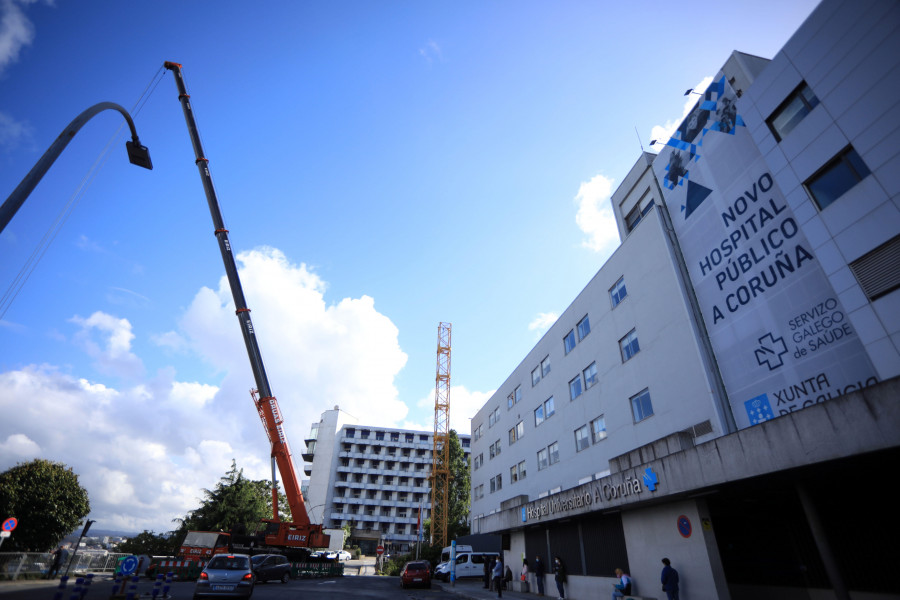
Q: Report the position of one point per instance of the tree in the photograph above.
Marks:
(47, 500)
(457, 494)
(460, 487)
(147, 542)
(236, 503)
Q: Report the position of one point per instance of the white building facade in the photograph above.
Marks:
(715, 387)
(374, 479)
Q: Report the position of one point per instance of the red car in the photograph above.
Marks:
(416, 573)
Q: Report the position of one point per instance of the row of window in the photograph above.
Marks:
(839, 174)
(585, 435)
(394, 436)
(583, 328)
(372, 495)
(377, 450)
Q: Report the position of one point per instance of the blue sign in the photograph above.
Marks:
(10, 524)
(684, 526)
(129, 565)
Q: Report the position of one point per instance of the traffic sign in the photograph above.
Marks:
(379, 550)
(10, 524)
(129, 564)
(5, 534)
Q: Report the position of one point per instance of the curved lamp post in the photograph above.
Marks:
(137, 155)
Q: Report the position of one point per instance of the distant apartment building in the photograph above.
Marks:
(723, 388)
(374, 479)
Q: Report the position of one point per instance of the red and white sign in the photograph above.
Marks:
(379, 550)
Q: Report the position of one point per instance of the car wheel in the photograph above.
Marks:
(286, 577)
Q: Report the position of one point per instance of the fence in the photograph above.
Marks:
(36, 564)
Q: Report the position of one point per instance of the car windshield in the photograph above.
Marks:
(229, 563)
(417, 566)
(256, 560)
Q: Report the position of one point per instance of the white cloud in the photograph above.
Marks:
(113, 355)
(16, 30)
(145, 451)
(542, 322)
(667, 130)
(20, 445)
(595, 216)
(431, 51)
(13, 133)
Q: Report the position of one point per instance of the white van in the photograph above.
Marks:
(468, 564)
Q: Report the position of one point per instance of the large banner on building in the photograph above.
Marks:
(781, 337)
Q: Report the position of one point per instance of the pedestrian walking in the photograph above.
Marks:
(669, 579)
(539, 574)
(498, 576)
(559, 568)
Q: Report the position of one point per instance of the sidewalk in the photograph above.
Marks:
(473, 589)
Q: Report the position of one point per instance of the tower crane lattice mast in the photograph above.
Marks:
(440, 468)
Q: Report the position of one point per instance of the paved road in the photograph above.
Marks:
(339, 588)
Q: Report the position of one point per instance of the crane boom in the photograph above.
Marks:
(299, 532)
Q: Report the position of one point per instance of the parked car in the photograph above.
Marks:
(468, 564)
(416, 573)
(226, 575)
(344, 555)
(268, 567)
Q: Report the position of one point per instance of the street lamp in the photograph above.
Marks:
(137, 155)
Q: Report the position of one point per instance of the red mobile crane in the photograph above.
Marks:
(299, 533)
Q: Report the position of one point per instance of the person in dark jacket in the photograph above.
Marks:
(560, 570)
(487, 573)
(669, 579)
(539, 574)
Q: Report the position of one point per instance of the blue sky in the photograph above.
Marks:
(382, 167)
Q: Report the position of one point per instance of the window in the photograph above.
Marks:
(496, 483)
(575, 388)
(495, 449)
(476, 434)
(516, 432)
(535, 376)
(876, 271)
(582, 440)
(379, 435)
(542, 459)
(629, 345)
(395, 436)
(553, 450)
(479, 492)
(545, 367)
(837, 177)
(539, 415)
(517, 472)
(641, 406)
(584, 328)
(799, 104)
(637, 213)
(478, 461)
(618, 292)
(569, 341)
(598, 429)
(590, 376)
(513, 398)
(494, 417)
(549, 408)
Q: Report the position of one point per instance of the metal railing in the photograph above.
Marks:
(30, 564)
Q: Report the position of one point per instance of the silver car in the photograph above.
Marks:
(227, 575)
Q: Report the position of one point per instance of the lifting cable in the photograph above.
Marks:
(43, 245)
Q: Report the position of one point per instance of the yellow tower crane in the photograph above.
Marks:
(440, 467)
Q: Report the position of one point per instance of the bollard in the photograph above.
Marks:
(89, 579)
(132, 589)
(156, 586)
(165, 590)
(76, 590)
(61, 588)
